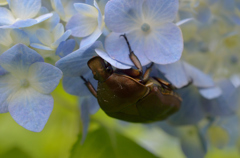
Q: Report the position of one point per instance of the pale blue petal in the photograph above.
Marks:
(164, 45)
(113, 62)
(57, 5)
(226, 104)
(210, 93)
(122, 16)
(62, 38)
(75, 64)
(2, 71)
(58, 31)
(19, 36)
(175, 73)
(31, 109)
(21, 23)
(191, 111)
(94, 106)
(160, 11)
(117, 47)
(199, 79)
(44, 36)
(25, 9)
(43, 10)
(5, 38)
(85, 9)
(65, 48)
(82, 25)
(184, 21)
(85, 116)
(100, 19)
(76, 86)
(44, 77)
(6, 17)
(53, 21)
(40, 46)
(86, 106)
(89, 40)
(43, 17)
(19, 58)
(7, 86)
(27, 22)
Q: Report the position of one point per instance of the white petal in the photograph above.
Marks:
(25, 9)
(44, 36)
(58, 31)
(82, 25)
(6, 17)
(19, 36)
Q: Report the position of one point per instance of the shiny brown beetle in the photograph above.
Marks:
(130, 96)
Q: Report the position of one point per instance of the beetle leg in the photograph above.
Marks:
(165, 84)
(147, 74)
(132, 56)
(90, 87)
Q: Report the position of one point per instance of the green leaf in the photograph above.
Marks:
(15, 152)
(106, 143)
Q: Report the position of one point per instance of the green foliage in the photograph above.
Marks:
(108, 143)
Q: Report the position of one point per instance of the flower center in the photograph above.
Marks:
(24, 83)
(145, 27)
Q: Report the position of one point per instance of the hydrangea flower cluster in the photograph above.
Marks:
(68, 33)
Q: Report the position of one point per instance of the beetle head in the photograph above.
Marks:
(101, 70)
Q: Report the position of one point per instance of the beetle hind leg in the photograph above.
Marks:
(89, 86)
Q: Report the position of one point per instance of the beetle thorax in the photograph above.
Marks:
(101, 71)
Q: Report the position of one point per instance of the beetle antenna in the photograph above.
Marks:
(83, 79)
(129, 47)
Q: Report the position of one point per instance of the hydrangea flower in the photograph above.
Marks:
(149, 28)
(88, 23)
(65, 8)
(22, 13)
(11, 37)
(50, 40)
(26, 86)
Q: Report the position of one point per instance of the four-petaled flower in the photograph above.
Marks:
(26, 86)
(149, 28)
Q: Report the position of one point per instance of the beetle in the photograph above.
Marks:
(130, 95)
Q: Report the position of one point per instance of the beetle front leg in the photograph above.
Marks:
(132, 56)
(90, 87)
(147, 74)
